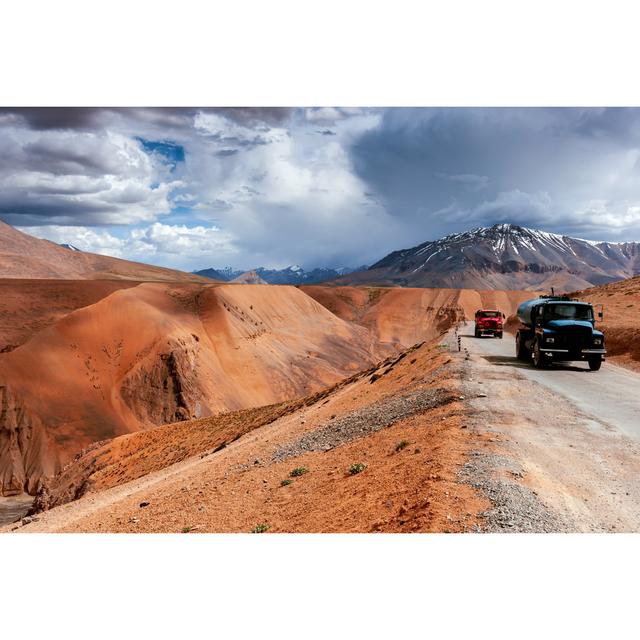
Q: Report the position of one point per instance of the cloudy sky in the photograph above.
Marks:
(247, 187)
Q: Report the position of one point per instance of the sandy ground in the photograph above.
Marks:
(620, 302)
(521, 450)
(513, 452)
(574, 433)
(412, 486)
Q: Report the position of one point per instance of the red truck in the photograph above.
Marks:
(489, 323)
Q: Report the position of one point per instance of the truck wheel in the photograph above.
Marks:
(477, 333)
(595, 363)
(522, 353)
(540, 361)
(499, 335)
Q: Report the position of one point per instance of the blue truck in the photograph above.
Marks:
(559, 328)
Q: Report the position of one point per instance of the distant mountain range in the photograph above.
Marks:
(504, 256)
(249, 277)
(291, 275)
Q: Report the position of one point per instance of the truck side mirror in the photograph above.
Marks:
(600, 309)
(503, 316)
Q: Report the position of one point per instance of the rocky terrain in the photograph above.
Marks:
(266, 409)
(504, 256)
(390, 445)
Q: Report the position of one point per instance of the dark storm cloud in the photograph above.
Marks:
(439, 170)
(617, 124)
(183, 117)
(251, 115)
(88, 118)
(42, 118)
(226, 152)
(60, 158)
(313, 186)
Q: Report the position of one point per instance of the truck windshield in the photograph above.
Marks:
(490, 314)
(568, 312)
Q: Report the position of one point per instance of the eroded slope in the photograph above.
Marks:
(401, 420)
(404, 316)
(159, 353)
(24, 256)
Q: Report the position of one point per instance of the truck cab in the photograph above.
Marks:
(488, 323)
(559, 328)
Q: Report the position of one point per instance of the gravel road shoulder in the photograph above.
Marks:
(552, 467)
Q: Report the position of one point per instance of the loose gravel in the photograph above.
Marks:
(364, 421)
(515, 507)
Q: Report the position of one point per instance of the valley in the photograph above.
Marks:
(137, 404)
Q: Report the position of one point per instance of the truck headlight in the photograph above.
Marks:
(550, 340)
(597, 341)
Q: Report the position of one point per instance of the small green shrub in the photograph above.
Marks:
(186, 529)
(260, 528)
(403, 444)
(285, 482)
(298, 471)
(357, 467)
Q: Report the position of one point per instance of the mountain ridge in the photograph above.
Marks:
(503, 256)
(293, 274)
(26, 257)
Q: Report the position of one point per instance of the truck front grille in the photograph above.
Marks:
(574, 338)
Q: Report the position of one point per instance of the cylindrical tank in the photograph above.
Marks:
(525, 309)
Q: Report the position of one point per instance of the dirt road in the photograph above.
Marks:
(570, 435)
(14, 507)
(556, 450)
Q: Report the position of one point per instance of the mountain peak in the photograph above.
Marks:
(249, 277)
(293, 274)
(505, 256)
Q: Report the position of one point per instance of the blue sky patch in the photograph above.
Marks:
(170, 151)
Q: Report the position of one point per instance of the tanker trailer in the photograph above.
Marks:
(559, 328)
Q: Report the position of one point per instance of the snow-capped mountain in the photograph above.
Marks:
(504, 256)
(226, 274)
(293, 274)
(249, 277)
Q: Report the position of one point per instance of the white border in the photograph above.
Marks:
(320, 586)
(335, 52)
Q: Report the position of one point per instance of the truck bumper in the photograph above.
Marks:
(572, 355)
